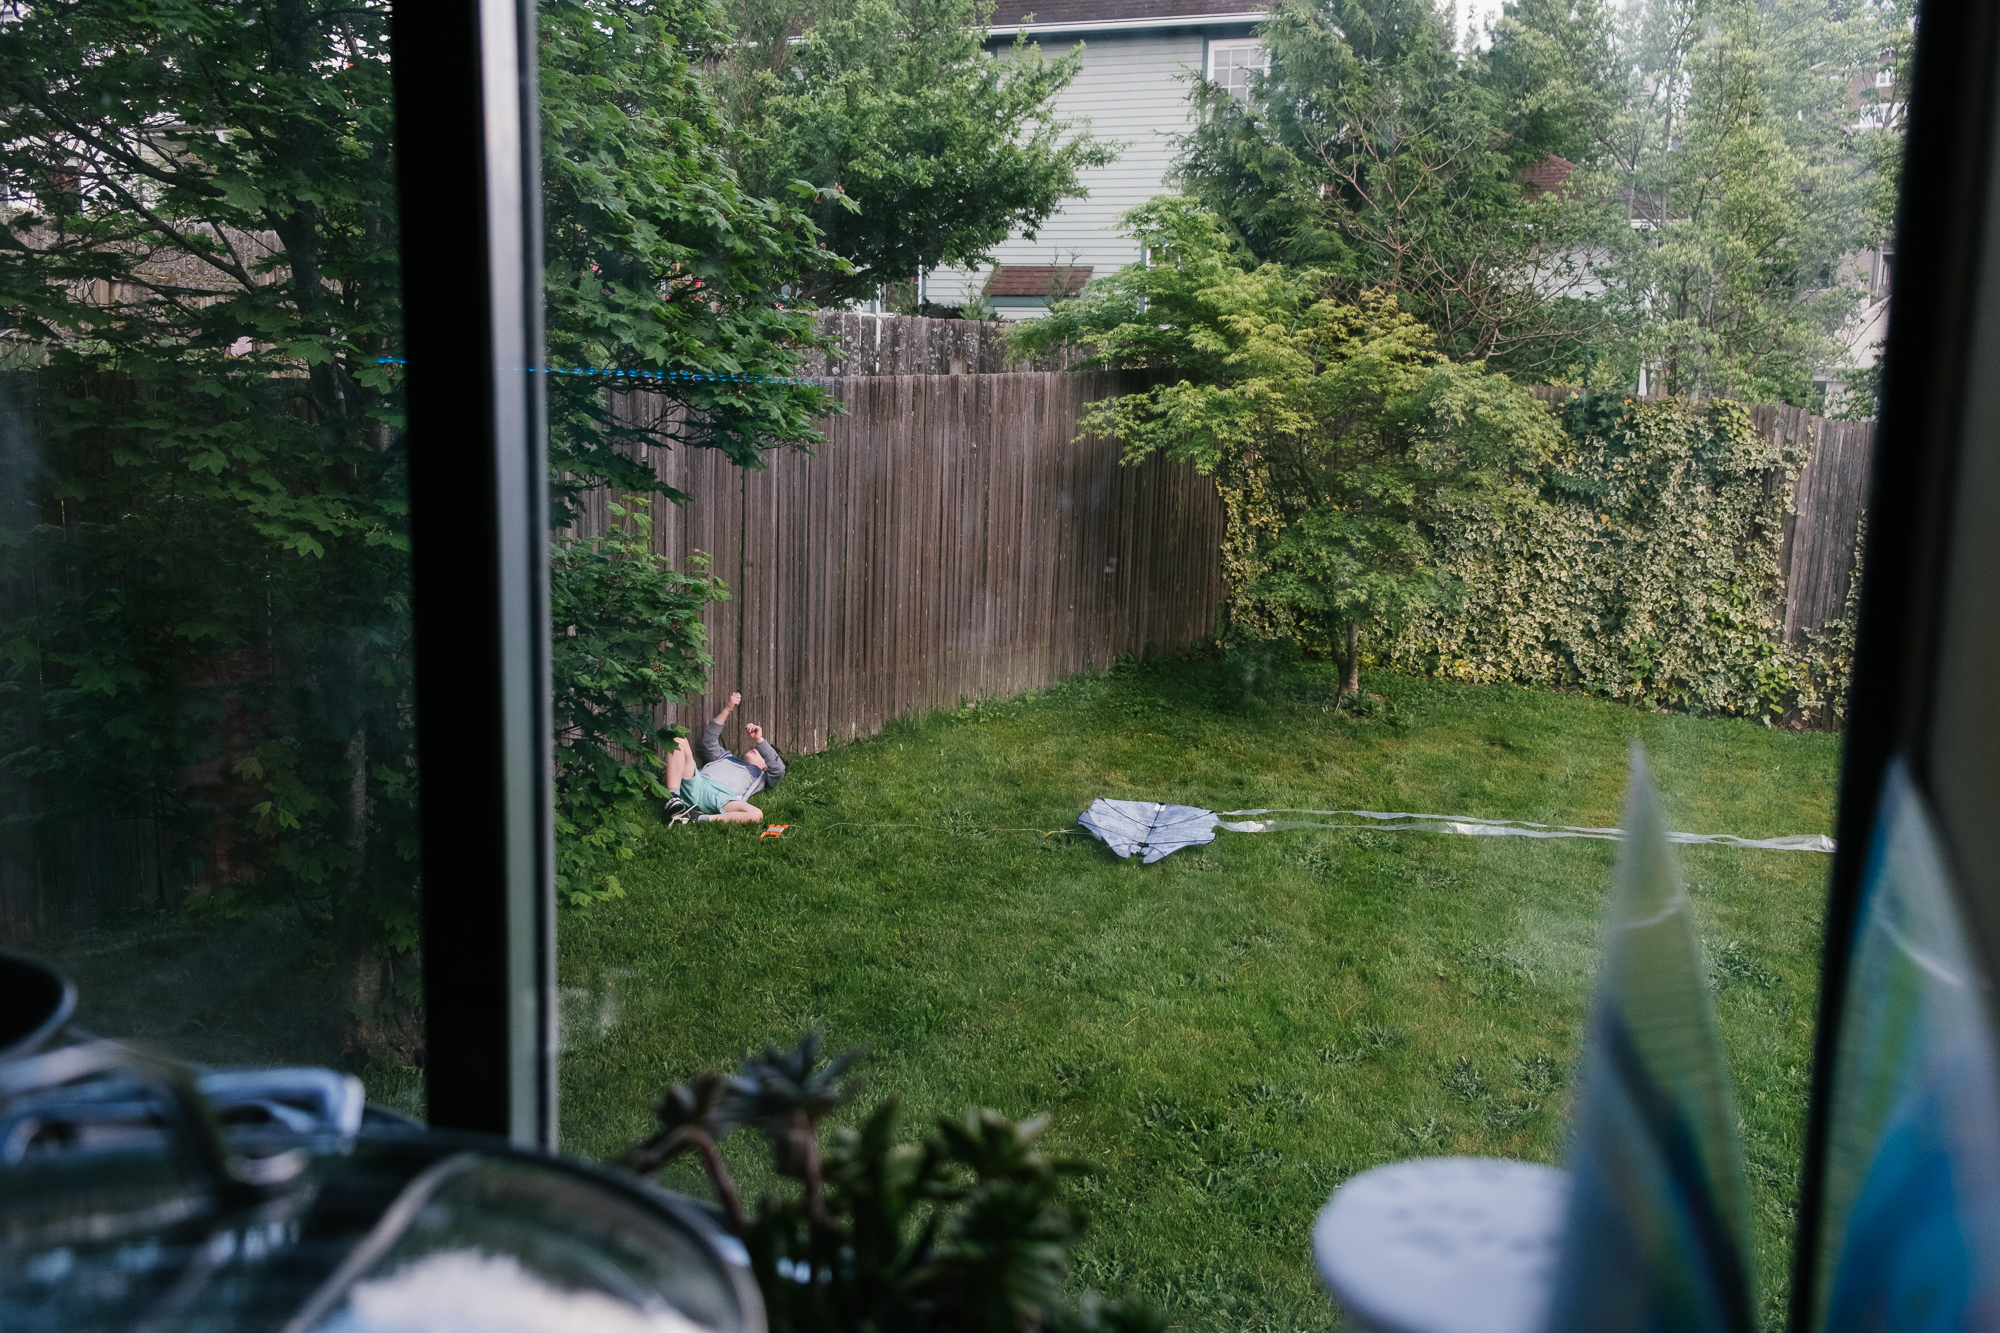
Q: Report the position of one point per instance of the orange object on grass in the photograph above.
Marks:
(773, 830)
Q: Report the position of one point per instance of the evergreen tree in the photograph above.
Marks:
(1683, 186)
(1750, 178)
(1371, 151)
(1552, 68)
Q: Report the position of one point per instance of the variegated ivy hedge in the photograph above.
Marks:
(1650, 573)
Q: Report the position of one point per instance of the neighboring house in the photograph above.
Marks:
(1133, 90)
(1871, 95)
(1866, 331)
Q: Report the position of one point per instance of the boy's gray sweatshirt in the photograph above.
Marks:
(741, 778)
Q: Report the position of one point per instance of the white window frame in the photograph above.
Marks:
(1219, 46)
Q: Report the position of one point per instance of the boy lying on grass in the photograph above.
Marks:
(708, 782)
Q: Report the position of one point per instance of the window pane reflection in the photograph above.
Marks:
(207, 750)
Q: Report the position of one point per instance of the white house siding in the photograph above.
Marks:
(1132, 89)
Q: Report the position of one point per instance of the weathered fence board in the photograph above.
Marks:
(953, 540)
(908, 345)
(74, 875)
(1820, 544)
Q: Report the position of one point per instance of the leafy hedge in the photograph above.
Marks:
(1648, 572)
(628, 636)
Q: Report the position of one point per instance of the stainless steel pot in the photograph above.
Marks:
(138, 1193)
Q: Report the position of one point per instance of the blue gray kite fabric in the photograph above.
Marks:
(1156, 830)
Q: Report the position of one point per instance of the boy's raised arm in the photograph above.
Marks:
(774, 763)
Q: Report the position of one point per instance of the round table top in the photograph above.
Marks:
(1445, 1245)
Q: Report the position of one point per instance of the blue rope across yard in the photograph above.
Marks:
(662, 376)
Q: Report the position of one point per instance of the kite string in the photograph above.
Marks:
(1474, 826)
(1468, 825)
(1404, 814)
(796, 830)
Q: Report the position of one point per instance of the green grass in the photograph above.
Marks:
(1232, 1032)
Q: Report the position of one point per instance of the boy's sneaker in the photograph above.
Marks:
(678, 811)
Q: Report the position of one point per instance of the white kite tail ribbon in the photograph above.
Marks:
(1472, 826)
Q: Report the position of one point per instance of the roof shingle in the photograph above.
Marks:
(1013, 13)
(1037, 279)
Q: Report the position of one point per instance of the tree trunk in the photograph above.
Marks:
(1350, 666)
(361, 988)
(361, 961)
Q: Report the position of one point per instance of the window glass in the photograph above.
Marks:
(1326, 421)
(207, 749)
(1232, 64)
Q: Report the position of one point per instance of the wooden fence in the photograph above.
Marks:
(1818, 558)
(907, 345)
(953, 540)
(74, 875)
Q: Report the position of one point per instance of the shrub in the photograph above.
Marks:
(963, 1232)
(1651, 574)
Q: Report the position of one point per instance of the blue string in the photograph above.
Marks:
(660, 375)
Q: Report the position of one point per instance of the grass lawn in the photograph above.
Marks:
(1231, 1032)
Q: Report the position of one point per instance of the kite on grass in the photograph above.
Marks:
(1148, 827)
(1155, 830)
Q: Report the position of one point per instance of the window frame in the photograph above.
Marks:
(469, 191)
(1929, 620)
(1217, 45)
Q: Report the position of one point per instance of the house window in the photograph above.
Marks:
(1232, 63)
(1885, 78)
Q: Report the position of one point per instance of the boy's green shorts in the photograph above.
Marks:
(705, 793)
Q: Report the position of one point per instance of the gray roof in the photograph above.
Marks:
(1081, 15)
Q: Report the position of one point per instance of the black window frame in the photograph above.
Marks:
(469, 195)
(1929, 626)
